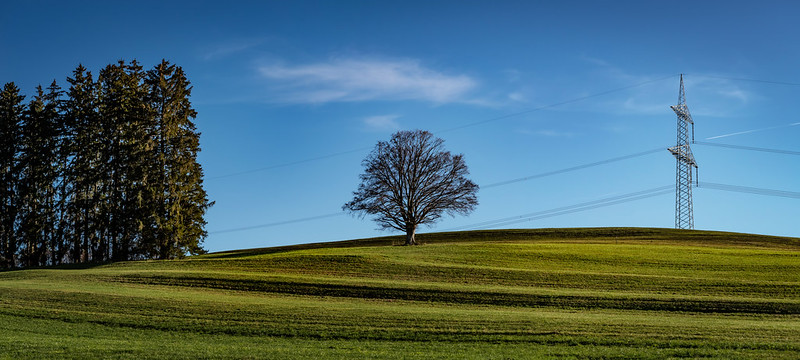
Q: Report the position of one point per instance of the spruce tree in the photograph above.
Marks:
(61, 163)
(38, 176)
(112, 116)
(126, 134)
(11, 115)
(177, 192)
(84, 173)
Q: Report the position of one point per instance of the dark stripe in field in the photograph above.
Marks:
(473, 297)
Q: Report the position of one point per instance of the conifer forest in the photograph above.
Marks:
(103, 170)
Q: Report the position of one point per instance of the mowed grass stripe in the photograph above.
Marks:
(358, 319)
(474, 297)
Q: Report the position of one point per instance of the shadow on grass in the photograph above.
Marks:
(696, 305)
(80, 266)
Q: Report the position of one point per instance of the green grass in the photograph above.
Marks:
(550, 293)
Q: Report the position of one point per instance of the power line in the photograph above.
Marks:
(579, 167)
(620, 200)
(665, 192)
(277, 223)
(445, 130)
(288, 163)
(740, 147)
(550, 173)
(614, 200)
(567, 209)
(750, 80)
(564, 210)
(750, 190)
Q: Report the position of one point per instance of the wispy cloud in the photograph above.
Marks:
(358, 79)
(382, 123)
(716, 97)
(517, 97)
(513, 75)
(229, 48)
(706, 95)
(738, 94)
(548, 133)
(645, 106)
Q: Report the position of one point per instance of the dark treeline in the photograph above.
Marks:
(105, 170)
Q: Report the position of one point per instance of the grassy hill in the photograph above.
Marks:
(580, 293)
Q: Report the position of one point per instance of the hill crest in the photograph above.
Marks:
(602, 234)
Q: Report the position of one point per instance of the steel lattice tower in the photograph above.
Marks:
(684, 162)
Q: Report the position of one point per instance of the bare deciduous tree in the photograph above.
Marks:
(412, 180)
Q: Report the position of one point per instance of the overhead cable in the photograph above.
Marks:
(497, 184)
(286, 222)
(750, 80)
(740, 147)
(750, 190)
(288, 164)
(564, 210)
(614, 200)
(579, 167)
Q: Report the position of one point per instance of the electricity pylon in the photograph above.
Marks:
(684, 162)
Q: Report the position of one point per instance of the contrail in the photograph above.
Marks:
(752, 131)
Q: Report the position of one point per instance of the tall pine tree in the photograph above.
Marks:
(126, 140)
(38, 176)
(84, 173)
(177, 189)
(11, 115)
(62, 159)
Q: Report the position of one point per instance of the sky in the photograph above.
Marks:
(292, 95)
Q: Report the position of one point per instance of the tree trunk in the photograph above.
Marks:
(411, 232)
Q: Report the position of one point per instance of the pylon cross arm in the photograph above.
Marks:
(684, 154)
(683, 112)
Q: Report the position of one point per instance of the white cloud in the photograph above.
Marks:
(513, 75)
(517, 97)
(706, 95)
(349, 80)
(548, 133)
(639, 106)
(597, 61)
(736, 94)
(382, 122)
(232, 47)
(713, 96)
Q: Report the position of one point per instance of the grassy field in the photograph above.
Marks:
(550, 293)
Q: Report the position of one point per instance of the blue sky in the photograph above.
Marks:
(291, 95)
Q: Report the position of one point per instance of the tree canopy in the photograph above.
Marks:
(412, 180)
